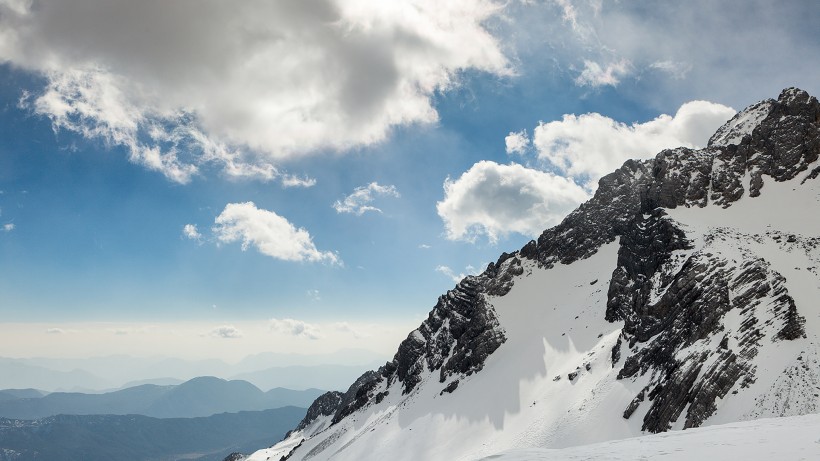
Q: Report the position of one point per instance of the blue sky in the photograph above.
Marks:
(120, 125)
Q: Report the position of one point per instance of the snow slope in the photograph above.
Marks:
(794, 438)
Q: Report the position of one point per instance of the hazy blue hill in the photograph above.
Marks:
(202, 396)
(142, 438)
(133, 400)
(205, 396)
(280, 396)
(23, 393)
(332, 377)
(156, 381)
(16, 374)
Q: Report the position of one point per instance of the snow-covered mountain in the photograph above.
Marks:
(684, 293)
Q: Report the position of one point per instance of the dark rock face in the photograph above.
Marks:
(668, 296)
(598, 221)
(358, 394)
(695, 296)
(324, 405)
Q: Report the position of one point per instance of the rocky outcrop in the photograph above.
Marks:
(668, 307)
(325, 405)
(673, 299)
(458, 335)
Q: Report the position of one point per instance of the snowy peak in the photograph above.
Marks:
(679, 295)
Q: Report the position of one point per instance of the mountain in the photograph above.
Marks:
(15, 373)
(140, 438)
(298, 376)
(265, 370)
(203, 396)
(683, 293)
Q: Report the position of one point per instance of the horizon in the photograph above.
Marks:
(220, 198)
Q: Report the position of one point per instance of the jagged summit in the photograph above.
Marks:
(682, 293)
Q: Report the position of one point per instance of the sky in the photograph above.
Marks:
(206, 178)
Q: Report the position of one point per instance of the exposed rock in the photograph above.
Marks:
(450, 388)
(325, 405)
(672, 299)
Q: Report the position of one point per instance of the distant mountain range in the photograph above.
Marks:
(203, 396)
(265, 370)
(140, 438)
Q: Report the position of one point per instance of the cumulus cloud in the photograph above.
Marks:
(190, 232)
(493, 200)
(8, 227)
(594, 75)
(591, 145)
(359, 201)
(226, 331)
(296, 328)
(517, 142)
(245, 85)
(269, 233)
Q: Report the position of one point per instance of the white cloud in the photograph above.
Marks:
(424, 246)
(451, 274)
(594, 75)
(591, 145)
(676, 69)
(269, 233)
(190, 231)
(296, 181)
(345, 327)
(359, 201)
(314, 295)
(517, 142)
(55, 331)
(246, 86)
(296, 328)
(493, 200)
(8, 227)
(226, 331)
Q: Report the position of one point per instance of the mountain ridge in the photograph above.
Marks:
(198, 397)
(695, 313)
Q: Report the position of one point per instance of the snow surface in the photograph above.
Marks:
(741, 124)
(552, 384)
(794, 438)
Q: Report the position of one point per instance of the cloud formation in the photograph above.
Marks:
(493, 200)
(297, 181)
(610, 75)
(191, 232)
(295, 327)
(8, 227)
(345, 327)
(359, 201)
(226, 332)
(591, 145)
(517, 142)
(243, 86)
(271, 234)
(451, 274)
